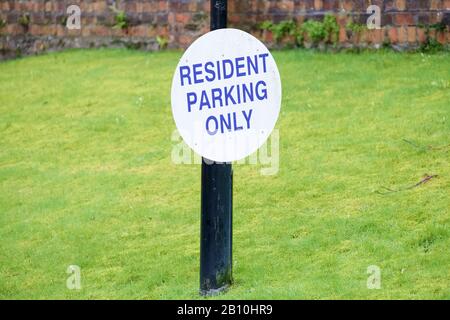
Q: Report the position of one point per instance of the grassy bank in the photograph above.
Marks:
(86, 178)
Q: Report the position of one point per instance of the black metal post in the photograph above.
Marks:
(217, 206)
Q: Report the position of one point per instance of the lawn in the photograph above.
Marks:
(87, 179)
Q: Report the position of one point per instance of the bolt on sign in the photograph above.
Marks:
(226, 95)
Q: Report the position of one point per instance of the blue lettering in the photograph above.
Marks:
(216, 125)
(252, 64)
(204, 101)
(247, 117)
(185, 72)
(228, 95)
(248, 92)
(240, 65)
(217, 96)
(224, 65)
(264, 56)
(224, 123)
(236, 127)
(209, 70)
(197, 73)
(191, 99)
(261, 94)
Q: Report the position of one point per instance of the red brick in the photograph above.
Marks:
(182, 18)
(73, 32)
(268, 37)
(402, 35)
(393, 35)
(163, 5)
(140, 31)
(285, 5)
(101, 31)
(318, 4)
(130, 6)
(234, 19)
(206, 6)
(347, 5)
(171, 18)
(404, 19)
(328, 5)
(38, 6)
(60, 30)
(14, 29)
(50, 30)
(436, 4)
(139, 7)
(440, 36)
(184, 40)
(363, 36)
(35, 30)
(59, 6)
(85, 31)
(99, 6)
(193, 6)
(86, 7)
(342, 35)
(28, 6)
(150, 6)
(375, 36)
(48, 6)
(421, 37)
(400, 4)
(411, 34)
(117, 32)
(153, 32)
(5, 6)
(370, 36)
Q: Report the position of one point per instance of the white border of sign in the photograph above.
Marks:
(224, 131)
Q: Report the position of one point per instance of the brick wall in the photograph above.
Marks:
(38, 25)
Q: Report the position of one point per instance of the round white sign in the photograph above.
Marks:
(226, 95)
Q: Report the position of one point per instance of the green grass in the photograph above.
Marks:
(86, 178)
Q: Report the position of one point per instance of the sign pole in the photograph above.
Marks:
(216, 205)
(232, 69)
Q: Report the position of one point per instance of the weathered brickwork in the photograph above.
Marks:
(38, 25)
